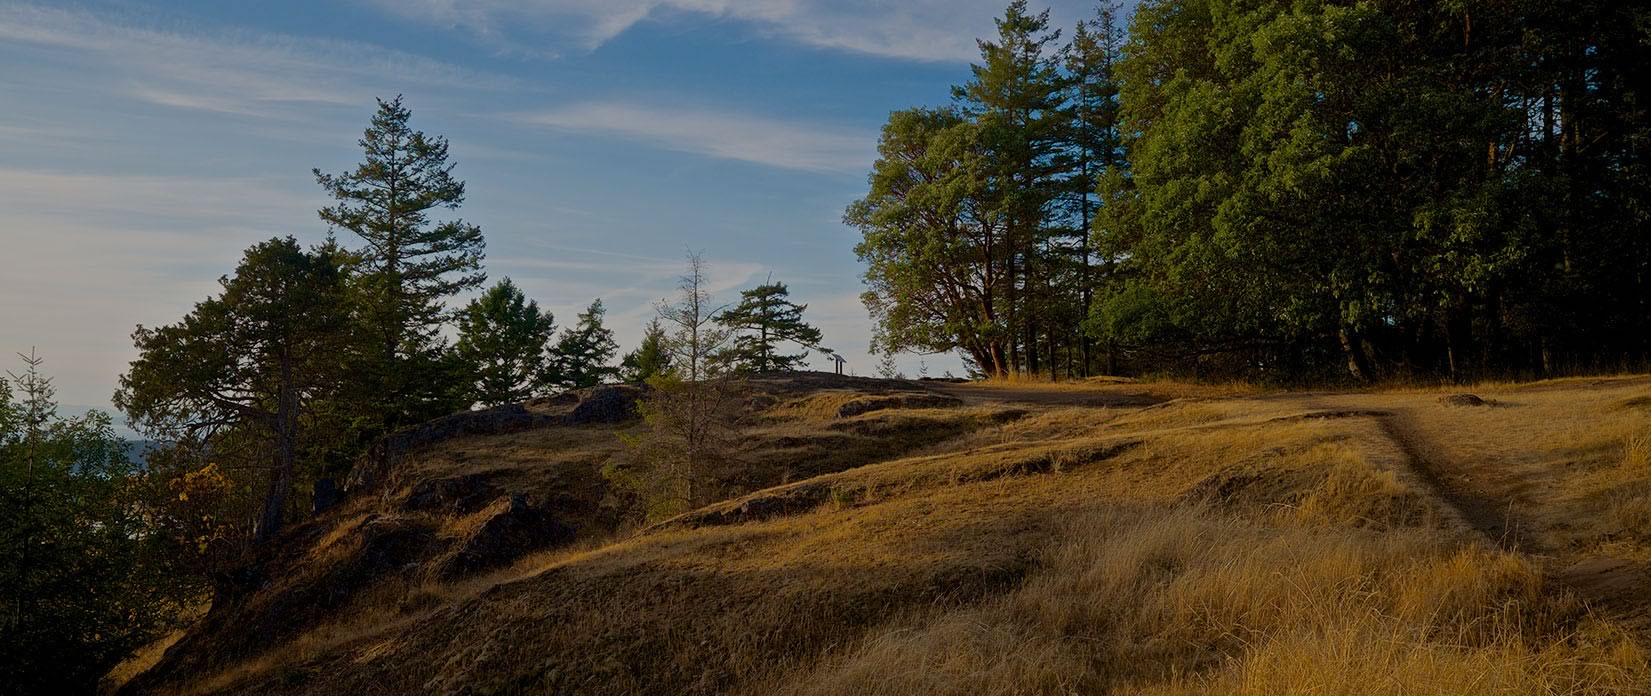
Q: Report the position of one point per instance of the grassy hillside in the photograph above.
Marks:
(896, 538)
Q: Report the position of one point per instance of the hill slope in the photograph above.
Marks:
(928, 538)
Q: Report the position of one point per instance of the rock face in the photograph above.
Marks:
(508, 529)
(1462, 400)
(460, 494)
(606, 405)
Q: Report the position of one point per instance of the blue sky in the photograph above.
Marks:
(144, 144)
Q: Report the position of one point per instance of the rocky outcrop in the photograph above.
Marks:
(507, 529)
(1462, 400)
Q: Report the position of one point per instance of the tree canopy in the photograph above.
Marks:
(410, 266)
(80, 583)
(247, 365)
(1276, 189)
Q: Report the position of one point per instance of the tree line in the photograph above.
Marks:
(1287, 190)
(283, 379)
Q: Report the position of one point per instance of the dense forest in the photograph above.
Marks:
(1278, 190)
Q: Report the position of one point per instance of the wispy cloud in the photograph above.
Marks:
(924, 30)
(740, 137)
(251, 74)
(90, 255)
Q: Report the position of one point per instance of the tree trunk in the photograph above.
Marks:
(1358, 364)
(286, 446)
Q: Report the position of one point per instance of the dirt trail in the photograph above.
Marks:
(1492, 517)
(1609, 584)
(1489, 494)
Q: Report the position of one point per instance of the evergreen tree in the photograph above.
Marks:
(502, 342)
(1278, 188)
(650, 359)
(81, 585)
(968, 243)
(410, 266)
(764, 318)
(246, 365)
(1093, 151)
(582, 357)
(1016, 96)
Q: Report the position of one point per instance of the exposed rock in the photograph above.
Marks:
(510, 529)
(461, 494)
(606, 405)
(1462, 400)
(374, 467)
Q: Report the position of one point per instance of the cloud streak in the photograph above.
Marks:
(921, 30)
(228, 72)
(722, 135)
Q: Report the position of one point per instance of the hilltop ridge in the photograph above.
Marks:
(906, 537)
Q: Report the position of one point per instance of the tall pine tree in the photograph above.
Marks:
(411, 265)
(1016, 96)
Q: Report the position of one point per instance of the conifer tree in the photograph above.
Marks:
(80, 586)
(764, 318)
(651, 358)
(1093, 149)
(1015, 96)
(411, 263)
(502, 341)
(582, 357)
(246, 364)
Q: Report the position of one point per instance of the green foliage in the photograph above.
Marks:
(650, 359)
(239, 375)
(81, 585)
(973, 231)
(688, 444)
(582, 357)
(502, 341)
(765, 317)
(410, 266)
(1396, 182)
(1285, 187)
(932, 246)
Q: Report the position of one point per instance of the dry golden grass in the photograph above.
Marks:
(1282, 544)
(1189, 601)
(138, 663)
